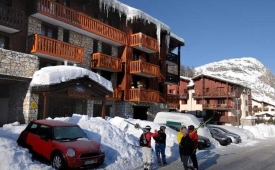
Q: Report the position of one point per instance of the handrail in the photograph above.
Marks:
(144, 40)
(42, 44)
(80, 20)
(106, 61)
(11, 17)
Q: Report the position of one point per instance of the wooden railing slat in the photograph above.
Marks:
(49, 46)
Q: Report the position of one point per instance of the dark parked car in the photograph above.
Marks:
(64, 144)
(233, 136)
(203, 142)
(220, 137)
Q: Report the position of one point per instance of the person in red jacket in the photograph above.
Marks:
(194, 137)
(147, 151)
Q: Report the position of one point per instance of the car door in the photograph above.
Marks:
(44, 141)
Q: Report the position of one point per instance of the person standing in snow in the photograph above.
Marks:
(160, 145)
(181, 133)
(187, 148)
(147, 151)
(194, 137)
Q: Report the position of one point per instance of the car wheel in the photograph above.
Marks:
(200, 147)
(58, 161)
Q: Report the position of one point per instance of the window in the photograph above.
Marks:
(221, 101)
(67, 3)
(95, 46)
(220, 89)
(4, 42)
(66, 35)
(49, 31)
(106, 49)
(6, 2)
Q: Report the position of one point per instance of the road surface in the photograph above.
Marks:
(259, 156)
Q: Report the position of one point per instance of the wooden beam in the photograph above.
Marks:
(103, 108)
(45, 106)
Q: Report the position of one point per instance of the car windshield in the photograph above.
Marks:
(68, 133)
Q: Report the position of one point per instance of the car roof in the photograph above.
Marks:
(54, 122)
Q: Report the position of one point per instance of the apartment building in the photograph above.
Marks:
(124, 45)
(261, 106)
(208, 96)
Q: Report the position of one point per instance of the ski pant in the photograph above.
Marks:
(160, 147)
(180, 151)
(194, 159)
(185, 159)
(147, 155)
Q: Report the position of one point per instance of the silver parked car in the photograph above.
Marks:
(233, 136)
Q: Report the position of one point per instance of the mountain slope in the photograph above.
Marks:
(246, 71)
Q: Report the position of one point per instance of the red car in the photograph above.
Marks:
(64, 144)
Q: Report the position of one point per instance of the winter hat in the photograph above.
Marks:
(162, 127)
(148, 128)
(191, 127)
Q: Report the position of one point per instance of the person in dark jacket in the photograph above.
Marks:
(194, 137)
(187, 146)
(160, 145)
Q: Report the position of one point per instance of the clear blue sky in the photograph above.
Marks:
(215, 30)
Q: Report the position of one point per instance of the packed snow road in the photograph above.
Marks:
(257, 157)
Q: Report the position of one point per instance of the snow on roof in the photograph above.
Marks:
(133, 13)
(57, 74)
(219, 78)
(191, 82)
(176, 37)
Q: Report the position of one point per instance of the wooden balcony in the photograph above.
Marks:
(218, 107)
(105, 62)
(172, 59)
(54, 49)
(11, 20)
(228, 119)
(59, 15)
(144, 43)
(143, 95)
(144, 69)
(172, 79)
(216, 95)
(117, 94)
(183, 96)
(172, 99)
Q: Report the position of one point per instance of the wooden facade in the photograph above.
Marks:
(219, 98)
(132, 54)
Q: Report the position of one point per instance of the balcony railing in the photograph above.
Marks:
(144, 43)
(228, 119)
(172, 99)
(52, 12)
(184, 96)
(219, 106)
(216, 95)
(105, 62)
(54, 49)
(11, 20)
(172, 59)
(143, 95)
(117, 94)
(144, 69)
(172, 79)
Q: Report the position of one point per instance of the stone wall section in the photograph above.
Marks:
(17, 64)
(17, 93)
(34, 26)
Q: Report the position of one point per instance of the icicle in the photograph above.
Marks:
(167, 41)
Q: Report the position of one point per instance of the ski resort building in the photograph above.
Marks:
(137, 53)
